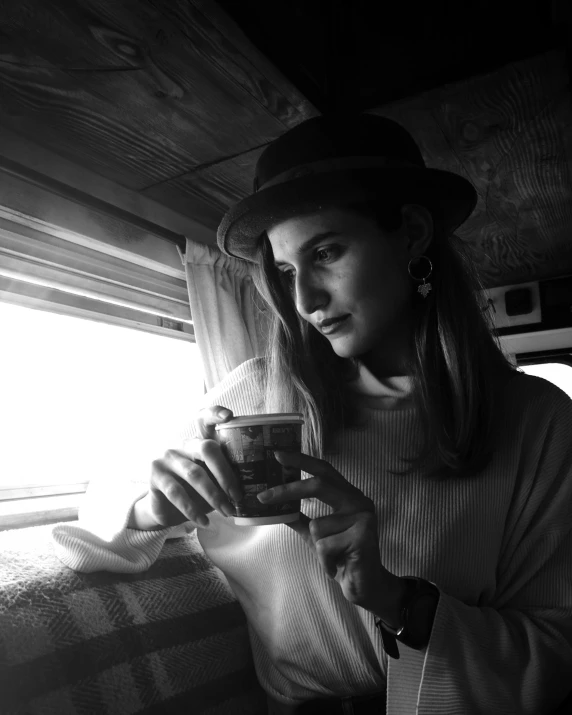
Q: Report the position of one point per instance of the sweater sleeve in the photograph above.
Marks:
(100, 540)
(514, 654)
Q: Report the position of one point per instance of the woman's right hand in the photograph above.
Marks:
(187, 484)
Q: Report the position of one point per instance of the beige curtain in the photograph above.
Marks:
(227, 313)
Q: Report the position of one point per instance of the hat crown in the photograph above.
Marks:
(334, 137)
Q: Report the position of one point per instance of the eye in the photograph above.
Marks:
(327, 253)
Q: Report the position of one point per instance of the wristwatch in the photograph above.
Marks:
(417, 614)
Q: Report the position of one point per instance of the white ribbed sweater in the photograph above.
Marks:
(499, 547)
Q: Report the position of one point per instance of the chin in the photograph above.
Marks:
(347, 349)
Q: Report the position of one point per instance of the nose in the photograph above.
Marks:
(311, 294)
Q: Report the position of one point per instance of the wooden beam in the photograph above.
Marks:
(31, 155)
(58, 188)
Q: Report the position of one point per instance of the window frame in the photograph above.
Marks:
(52, 300)
(562, 355)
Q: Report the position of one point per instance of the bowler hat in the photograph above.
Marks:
(334, 160)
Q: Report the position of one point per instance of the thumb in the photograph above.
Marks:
(211, 416)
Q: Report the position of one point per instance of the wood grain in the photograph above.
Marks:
(222, 184)
(247, 55)
(508, 133)
(207, 27)
(78, 37)
(180, 95)
(32, 155)
(79, 124)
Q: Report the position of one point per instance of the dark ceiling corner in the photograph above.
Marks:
(359, 54)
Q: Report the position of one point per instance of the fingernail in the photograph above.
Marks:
(235, 494)
(224, 413)
(289, 458)
(265, 496)
(226, 510)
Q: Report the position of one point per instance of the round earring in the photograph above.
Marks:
(425, 287)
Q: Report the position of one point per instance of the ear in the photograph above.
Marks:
(418, 227)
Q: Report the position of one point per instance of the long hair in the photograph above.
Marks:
(456, 362)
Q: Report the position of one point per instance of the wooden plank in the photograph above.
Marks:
(185, 45)
(86, 128)
(71, 37)
(142, 129)
(251, 68)
(226, 183)
(206, 102)
(181, 199)
(508, 132)
(31, 155)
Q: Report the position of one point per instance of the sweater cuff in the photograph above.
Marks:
(106, 544)
(129, 551)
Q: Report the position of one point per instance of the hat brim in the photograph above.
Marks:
(240, 230)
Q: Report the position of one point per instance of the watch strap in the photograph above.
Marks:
(388, 640)
(418, 588)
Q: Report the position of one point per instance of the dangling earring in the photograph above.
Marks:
(425, 288)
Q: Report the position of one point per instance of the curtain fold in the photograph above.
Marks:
(227, 314)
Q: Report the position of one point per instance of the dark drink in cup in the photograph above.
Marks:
(249, 443)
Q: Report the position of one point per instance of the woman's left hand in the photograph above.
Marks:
(345, 541)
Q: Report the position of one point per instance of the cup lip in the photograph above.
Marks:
(286, 518)
(276, 418)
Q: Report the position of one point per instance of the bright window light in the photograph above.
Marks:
(83, 399)
(557, 372)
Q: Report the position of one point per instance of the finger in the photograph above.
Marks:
(209, 417)
(343, 498)
(351, 559)
(310, 465)
(331, 552)
(313, 530)
(327, 534)
(200, 481)
(209, 454)
(332, 524)
(166, 486)
(328, 541)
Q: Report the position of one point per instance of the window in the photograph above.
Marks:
(82, 399)
(559, 373)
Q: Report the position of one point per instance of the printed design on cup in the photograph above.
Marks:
(250, 450)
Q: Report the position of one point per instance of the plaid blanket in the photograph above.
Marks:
(170, 640)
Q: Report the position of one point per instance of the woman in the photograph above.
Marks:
(431, 570)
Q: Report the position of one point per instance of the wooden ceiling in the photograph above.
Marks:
(176, 99)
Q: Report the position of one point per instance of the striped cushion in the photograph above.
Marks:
(170, 640)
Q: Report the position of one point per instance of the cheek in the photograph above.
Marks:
(382, 288)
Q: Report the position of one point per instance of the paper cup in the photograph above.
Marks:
(249, 443)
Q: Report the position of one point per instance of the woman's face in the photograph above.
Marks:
(342, 267)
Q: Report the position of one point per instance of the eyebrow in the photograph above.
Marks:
(309, 244)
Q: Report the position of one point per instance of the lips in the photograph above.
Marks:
(332, 325)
